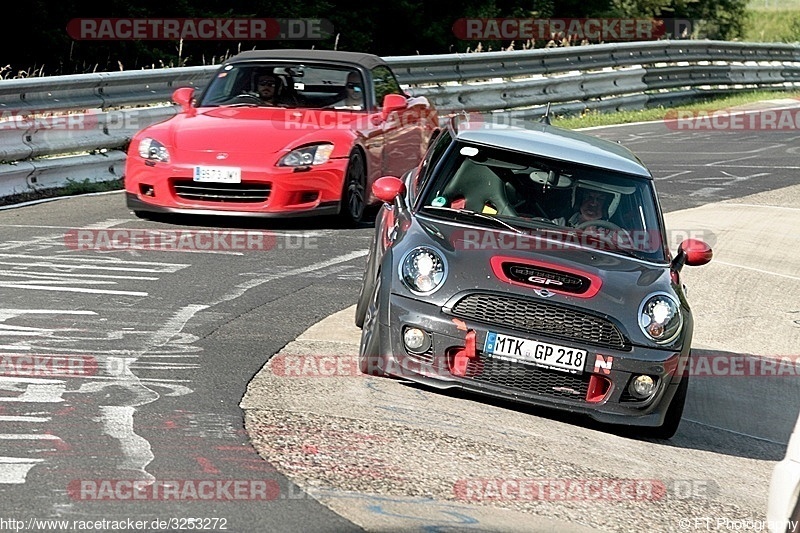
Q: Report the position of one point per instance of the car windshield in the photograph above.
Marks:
(559, 201)
(286, 85)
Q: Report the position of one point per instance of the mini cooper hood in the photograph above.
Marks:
(250, 129)
(477, 258)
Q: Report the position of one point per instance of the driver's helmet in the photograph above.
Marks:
(582, 187)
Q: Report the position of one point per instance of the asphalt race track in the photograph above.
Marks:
(125, 367)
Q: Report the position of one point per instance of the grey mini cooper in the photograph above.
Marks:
(531, 264)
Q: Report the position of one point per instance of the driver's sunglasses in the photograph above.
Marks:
(266, 83)
(353, 85)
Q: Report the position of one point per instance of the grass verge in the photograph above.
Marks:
(594, 118)
(73, 189)
(773, 26)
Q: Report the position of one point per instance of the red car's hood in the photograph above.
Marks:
(257, 129)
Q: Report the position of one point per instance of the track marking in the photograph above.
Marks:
(253, 283)
(72, 289)
(796, 278)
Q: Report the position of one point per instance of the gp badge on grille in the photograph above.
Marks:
(545, 278)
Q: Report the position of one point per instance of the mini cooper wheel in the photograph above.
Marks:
(363, 300)
(369, 356)
(355, 190)
(672, 420)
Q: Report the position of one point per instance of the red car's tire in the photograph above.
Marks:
(354, 191)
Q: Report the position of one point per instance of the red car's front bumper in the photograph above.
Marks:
(268, 192)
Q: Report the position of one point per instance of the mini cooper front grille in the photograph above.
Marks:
(527, 378)
(530, 316)
(222, 192)
(546, 277)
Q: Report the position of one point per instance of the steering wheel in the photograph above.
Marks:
(254, 98)
(600, 223)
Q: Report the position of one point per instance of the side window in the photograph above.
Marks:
(435, 153)
(384, 82)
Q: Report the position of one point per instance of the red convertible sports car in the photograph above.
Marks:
(280, 133)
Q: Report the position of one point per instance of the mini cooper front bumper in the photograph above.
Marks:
(457, 355)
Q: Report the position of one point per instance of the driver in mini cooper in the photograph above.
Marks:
(592, 205)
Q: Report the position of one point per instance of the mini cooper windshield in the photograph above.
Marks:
(564, 202)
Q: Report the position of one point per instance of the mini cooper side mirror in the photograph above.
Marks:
(692, 252)
(183, 97)
(388, 188)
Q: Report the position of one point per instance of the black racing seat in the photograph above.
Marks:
(480, 188)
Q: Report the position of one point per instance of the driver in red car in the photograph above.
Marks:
(267, 88)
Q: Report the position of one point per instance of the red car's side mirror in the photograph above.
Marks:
(183, 97)
(392, 103)
(693, 252)
(388, 188)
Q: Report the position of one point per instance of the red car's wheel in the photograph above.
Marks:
(355, 189)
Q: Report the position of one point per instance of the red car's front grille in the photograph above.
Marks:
(221, 192)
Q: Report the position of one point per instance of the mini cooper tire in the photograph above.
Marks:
(369, 349)
(672, 419)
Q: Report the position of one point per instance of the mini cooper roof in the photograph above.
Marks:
(367, 61)
(554, 143)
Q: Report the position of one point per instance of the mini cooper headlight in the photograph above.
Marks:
(660, 318)
(315, 154)
(423, 270)
(152, 149)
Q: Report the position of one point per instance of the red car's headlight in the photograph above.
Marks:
(152, 149)
(316, 154)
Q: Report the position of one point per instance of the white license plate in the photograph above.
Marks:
(218, 174)
(536, 353)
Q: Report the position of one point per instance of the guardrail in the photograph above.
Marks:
(72, 128)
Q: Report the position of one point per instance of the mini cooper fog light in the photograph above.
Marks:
(416, 340)
(642, 387)
(423, 270)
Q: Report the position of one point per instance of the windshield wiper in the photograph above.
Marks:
(475, 214)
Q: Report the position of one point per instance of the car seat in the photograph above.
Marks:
(483, 191)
